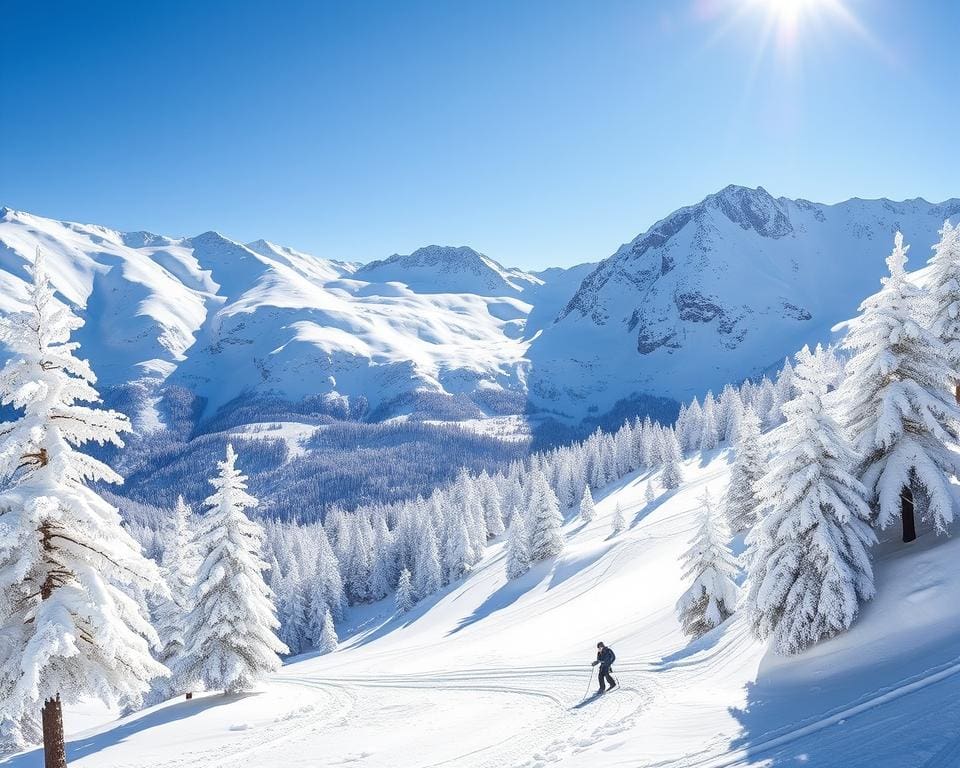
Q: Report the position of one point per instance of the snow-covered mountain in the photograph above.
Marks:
(226, 319)
(713, 293)
(719, 291)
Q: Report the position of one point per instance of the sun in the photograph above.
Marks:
(788, 19)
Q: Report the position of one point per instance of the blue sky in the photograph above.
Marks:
(540, 133)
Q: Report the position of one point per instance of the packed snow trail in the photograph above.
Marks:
(491, 672)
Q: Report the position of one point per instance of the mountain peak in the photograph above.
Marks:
(754, 209)
(448, 268)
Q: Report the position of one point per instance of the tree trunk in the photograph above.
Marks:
(956, 393)
(906, 512)
(54, 752)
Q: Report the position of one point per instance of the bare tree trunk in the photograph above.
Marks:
(54, 751)
(906, 512)
(956, 392)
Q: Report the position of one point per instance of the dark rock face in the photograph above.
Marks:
(754, 209)
(696, 308)
(797, 313)
(647, 343)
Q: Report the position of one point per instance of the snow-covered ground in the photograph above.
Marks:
(493, 673)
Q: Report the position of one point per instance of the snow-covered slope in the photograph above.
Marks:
(719, 291)
(493, 673)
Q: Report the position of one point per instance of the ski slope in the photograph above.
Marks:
(493, 673)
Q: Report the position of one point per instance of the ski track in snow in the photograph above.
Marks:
(612, 715)
(948, 757)
(300, 723)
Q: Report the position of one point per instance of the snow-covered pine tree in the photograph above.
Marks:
(729, 400)
(178, 566)
(943, 285)
(587, 508)
(291, 612)
(381, 565)
(670, 475)
(405, 598)
(356, 538)
(518, 547)
(427, 571)
(783, 391)
(231, 640)
(901, 413)
(329, 582)
(490, 502)
(741, 503)
(68, 628)
(708, 429)
(735, 410)
(456, 556)
(648, 494)
(618, 522)
(327, 641)
(808, 565)
(711, 598)
(763, 403)
(688, 434)
(545, 523)
(648, 444)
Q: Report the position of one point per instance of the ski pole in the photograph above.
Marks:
(589, 683)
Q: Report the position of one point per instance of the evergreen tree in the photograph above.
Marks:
(648, 495)
(68, 628)
(231, 643)
(405, 597)
(456, 558)
(670, 476)
(546, 524)
(329, 582)
(381, 559)
(783, 391)
(648, 443)
(808, 561)
(587, 509)
(688, 435)
(327, 642)
(741, 503)
(618, 522)
(708, 429)
(356, 537)
(763, 404)
(943, 284)
(901, 414)
(490, 503)
(428, 574)
(711, 598)
(178, 567)
(518, 548)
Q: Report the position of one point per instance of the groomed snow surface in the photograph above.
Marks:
(493, 673)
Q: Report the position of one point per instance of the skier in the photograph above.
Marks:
(605, 658)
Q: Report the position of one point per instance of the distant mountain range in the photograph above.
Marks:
(714, 292)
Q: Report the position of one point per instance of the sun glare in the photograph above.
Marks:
(788, 19)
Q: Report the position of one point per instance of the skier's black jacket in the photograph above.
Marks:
(606, 657)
